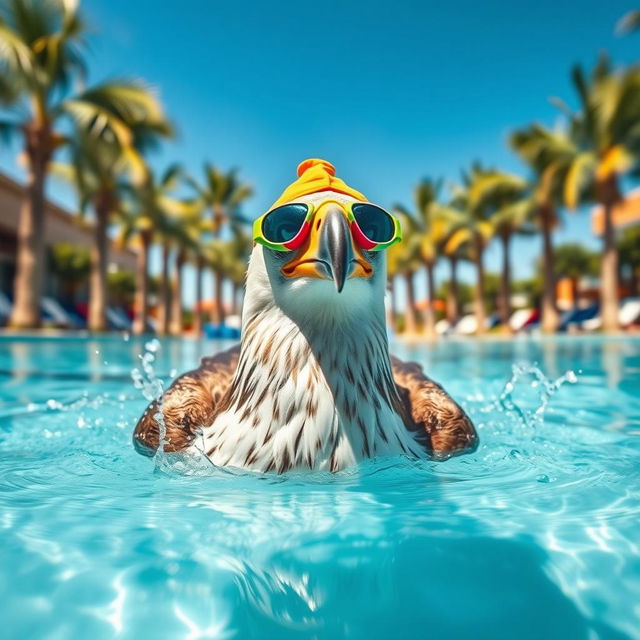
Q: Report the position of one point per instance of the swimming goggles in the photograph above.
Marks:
(286, 227)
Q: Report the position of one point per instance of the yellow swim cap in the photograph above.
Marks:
(316, 175)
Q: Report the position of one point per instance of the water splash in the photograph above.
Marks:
(152, 388)
(192, 461)
(527, 377)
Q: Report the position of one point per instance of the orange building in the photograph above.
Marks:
(625, 214)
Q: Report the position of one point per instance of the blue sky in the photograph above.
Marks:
(387, 91)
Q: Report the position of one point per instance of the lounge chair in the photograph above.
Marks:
(576, 318)
(220, 332)
(53, 313)
(118, 319)
(443, 327)
(629, 312)
(467, 325)
(5, 308)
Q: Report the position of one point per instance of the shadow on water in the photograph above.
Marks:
(432, 587)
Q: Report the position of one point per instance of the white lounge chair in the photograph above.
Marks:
(467, 325)
(443, 327)
(629, 312)
(520, 318)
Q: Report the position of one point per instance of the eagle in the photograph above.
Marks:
(312, 385)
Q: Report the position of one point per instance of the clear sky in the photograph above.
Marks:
(388, 91)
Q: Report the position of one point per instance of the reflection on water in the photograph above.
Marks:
(533, 536)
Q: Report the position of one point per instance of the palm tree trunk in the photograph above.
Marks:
(217, 310)
(142, 284)
(481, 315)
(575, 293)
(165, 290)
(393, 302)
(235, 298)
(505, 294)
(452, 294)
(217, 219)
(197, 312)
(609, 296)
(549, 310)
(633, 281)
(430, 321)
(27, 288)
(97, 320)
(410, 324)
(176, 295)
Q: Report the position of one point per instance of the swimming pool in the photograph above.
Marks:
(536, 535)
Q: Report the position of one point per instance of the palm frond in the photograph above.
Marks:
(628, 23)
(577, 178)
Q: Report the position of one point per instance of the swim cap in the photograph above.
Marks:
(316, 175)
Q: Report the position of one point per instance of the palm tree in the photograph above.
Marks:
(137, 228)
(472, 233)
(394, 253)
(175, 327)
(503, 196)
(217, 261)
(150, 210)
(200, 262)
(188, 238)
(240, 248)
(548, 154)
(628, 23)
(40, 45)
(454, 254)
(406, 256)
(606, 133)
(104, 151)
(40, 58)
(629, 252)
(431, 225)
(574, 261)
(223, 193)
(164, 307)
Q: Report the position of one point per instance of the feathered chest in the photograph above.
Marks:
(300, 402)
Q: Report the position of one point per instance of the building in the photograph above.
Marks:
(626, 213)
(60, 226)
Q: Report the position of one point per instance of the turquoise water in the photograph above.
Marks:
(536, 535)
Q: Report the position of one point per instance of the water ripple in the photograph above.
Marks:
(100, 542)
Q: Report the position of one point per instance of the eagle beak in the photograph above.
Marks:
(329, 252)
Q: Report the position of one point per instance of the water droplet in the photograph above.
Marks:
(543, 478)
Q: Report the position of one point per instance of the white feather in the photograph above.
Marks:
(301, 342)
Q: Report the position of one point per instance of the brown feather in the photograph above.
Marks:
(188, 404)
(425, 405)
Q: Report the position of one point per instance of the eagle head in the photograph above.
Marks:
(317, 250)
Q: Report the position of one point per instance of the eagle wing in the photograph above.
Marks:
(187, 405)
(427, 407)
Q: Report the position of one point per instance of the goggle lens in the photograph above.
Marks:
(284, 223)
(375, 223)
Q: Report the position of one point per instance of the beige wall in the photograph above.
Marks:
(61, 226)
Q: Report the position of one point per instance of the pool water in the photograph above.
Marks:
(535, 535)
